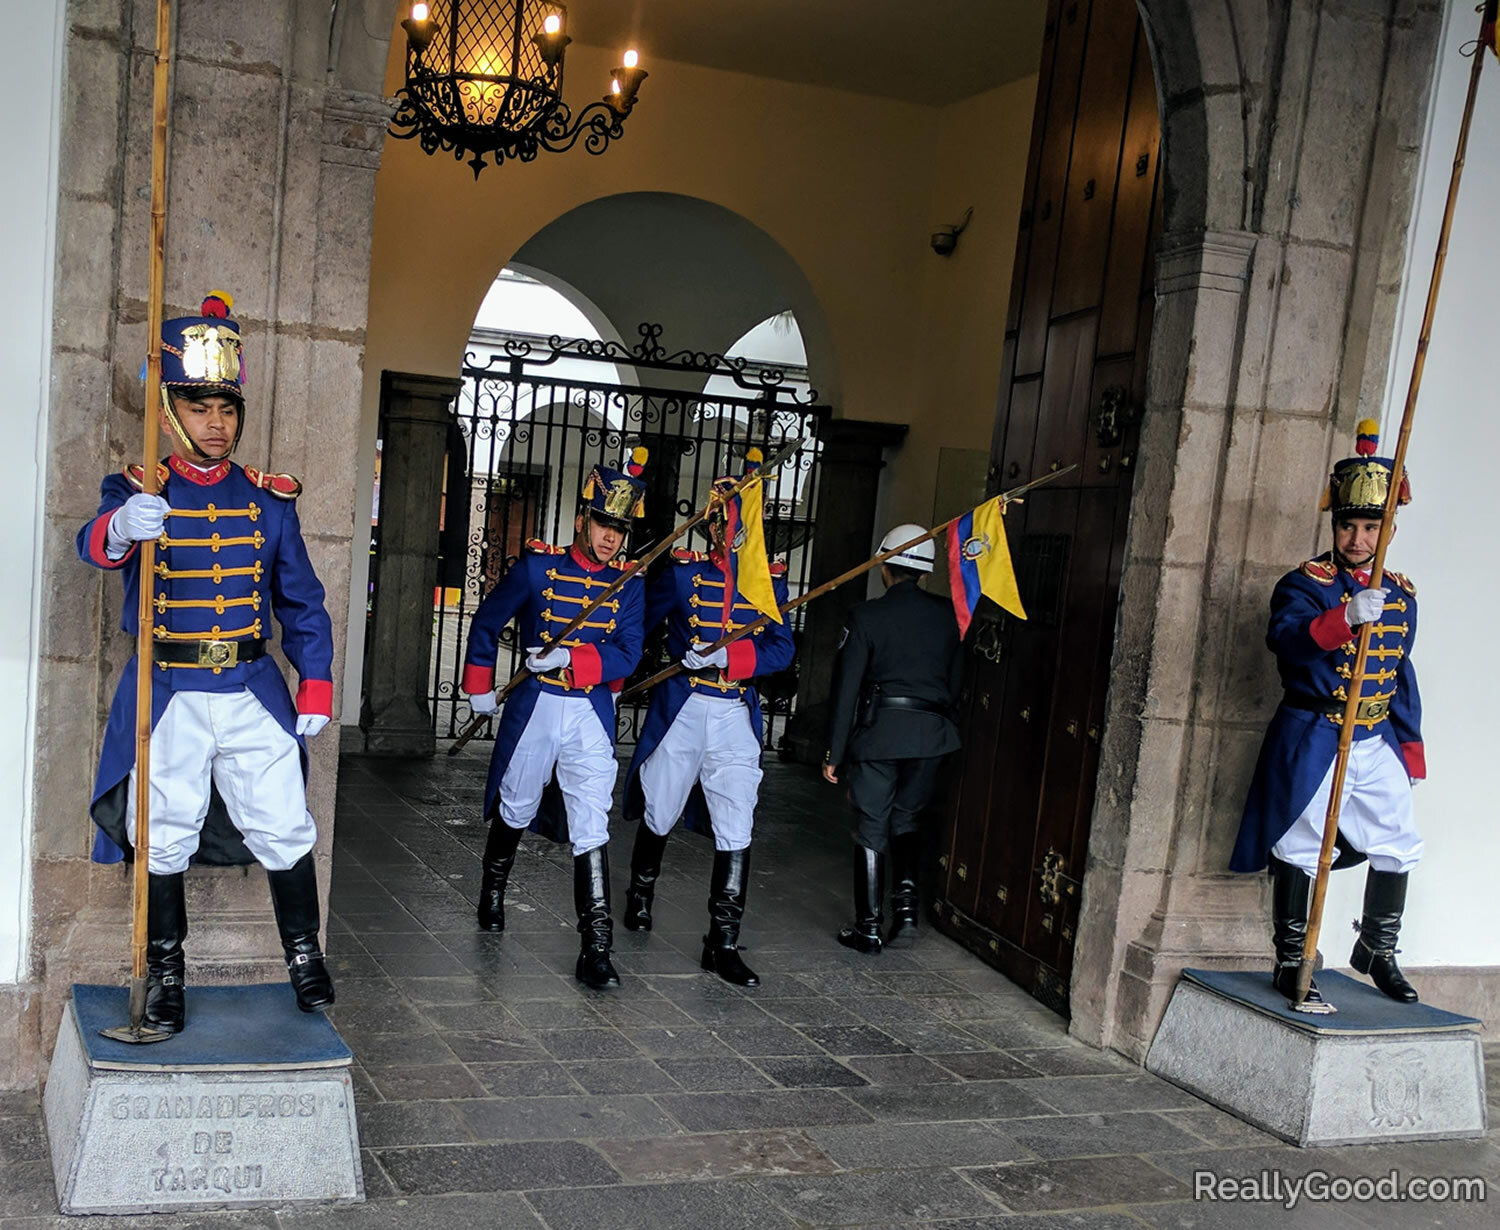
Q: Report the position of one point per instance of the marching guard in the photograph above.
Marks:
(1316, 613)
(228, 764)
(703, 729)
(562, 717)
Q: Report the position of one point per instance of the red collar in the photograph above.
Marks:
(204, 478)
(583, 561)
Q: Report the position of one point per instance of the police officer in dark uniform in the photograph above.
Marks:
(895, 684)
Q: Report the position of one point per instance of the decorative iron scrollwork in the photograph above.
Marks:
(1115, 413)
(1051, 872)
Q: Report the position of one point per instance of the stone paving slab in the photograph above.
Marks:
(718, 1156)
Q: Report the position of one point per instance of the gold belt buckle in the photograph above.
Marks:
(218, 654)
(1373, 709)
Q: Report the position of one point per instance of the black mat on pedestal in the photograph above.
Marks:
(1361, 1008)
(227, 1027)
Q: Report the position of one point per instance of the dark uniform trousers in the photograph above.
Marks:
(889, 797)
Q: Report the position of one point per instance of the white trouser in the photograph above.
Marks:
(229, 738)
(563, 733)
(709, 741)
(1375, 814)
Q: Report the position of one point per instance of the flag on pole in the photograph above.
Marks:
(979, 563)
(1487, 28)
(745, 537)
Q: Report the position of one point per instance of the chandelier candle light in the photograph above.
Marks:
(484, 78)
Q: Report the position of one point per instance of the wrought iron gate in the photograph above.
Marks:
(537, 415)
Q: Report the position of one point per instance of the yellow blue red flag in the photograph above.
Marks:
(979, 563)
(746, 537)
(1487, 27)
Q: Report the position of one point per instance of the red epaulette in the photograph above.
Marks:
(136, 475)
(1320, 570)
(1404, 581)
(629, 565)
(283, 485)
(537, 547)
(683, 555)
(778, 568)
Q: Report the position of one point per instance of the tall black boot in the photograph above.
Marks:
(294, 899)
(1375, 950)
(645, 866)
(499, 858)
(869, 894)
(591, 900)
(906, 865)
(166, 928)
(1291, 890)
(726, 906)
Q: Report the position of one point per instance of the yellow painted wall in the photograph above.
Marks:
(849, 185)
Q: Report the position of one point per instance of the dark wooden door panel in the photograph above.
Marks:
(1094, 166)
(1020, 433)
(1062, 417)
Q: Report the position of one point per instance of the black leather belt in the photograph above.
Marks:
(915, 703)
(1370, 710)
(208, 652)
(1311, 704)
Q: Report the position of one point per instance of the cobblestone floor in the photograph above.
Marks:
(911, 1089)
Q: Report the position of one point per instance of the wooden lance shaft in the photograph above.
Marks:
(1377, 568)
(638, 569)
(149, 461)
(859, 570)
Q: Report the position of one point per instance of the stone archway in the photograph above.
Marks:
(1284, 128)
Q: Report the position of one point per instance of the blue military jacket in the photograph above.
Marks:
(1315, 651)
(230, 557)
(696, 597)
(543, 591)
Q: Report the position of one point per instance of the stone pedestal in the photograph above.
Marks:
(397, 719)
(250, 1105)
(1375, 1071)
(848, 484)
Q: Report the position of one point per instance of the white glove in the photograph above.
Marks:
(696, 660)
(543, 658)
(139, 519)
(1365, 607)
(309, 724)
(483, 703)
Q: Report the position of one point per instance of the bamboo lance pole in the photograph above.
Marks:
(859, 570)
(1388, 525)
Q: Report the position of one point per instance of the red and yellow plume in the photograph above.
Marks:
(1367, 438)
(638, 457)
(218, 303)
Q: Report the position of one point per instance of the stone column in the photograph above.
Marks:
(415, 414)
(848, 482)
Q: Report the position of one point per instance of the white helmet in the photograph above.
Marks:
(919, 557)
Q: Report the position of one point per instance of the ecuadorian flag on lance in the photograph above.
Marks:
(979, 563)
(746, 535)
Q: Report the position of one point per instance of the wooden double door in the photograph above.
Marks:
(1077, 335)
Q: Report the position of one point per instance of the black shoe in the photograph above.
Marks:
(591, 900)
(1291, 889)
(1379, 928)
(726, 907)
(499, 858)
(294, 898)
(166, 928)
(869, 892)
(645, 866)
(906, 863)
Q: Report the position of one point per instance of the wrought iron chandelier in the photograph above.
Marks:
(484, 77)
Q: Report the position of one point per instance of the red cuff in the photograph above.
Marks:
(1330, 629)
(477, 679)
(1416, 760)
(742, 657)
(98, 537)
(587, 667)
(315, 696)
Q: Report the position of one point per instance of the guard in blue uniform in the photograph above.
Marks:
(1317, 611)
(228, 764)
(562, 717)
(700, 746)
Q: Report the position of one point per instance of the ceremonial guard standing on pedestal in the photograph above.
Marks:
(703, 727)
(1316, 613)
(562, 716)
(227, 760)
